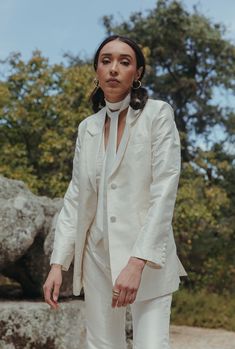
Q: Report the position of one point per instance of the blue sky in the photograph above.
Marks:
(59, 26)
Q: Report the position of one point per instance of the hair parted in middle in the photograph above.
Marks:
(139, 95)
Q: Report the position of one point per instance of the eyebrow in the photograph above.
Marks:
(124, 55)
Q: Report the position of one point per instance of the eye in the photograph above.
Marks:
(105, 61)
(125, 62)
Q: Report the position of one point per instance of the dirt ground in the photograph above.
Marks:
(185, 337)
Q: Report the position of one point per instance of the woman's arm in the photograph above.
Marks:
(66, 226)
(65, 233)
(151, 243)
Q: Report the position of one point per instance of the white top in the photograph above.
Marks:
(104, 164)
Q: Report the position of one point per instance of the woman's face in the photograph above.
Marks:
(116, 70)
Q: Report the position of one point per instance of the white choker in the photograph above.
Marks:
(118, 106)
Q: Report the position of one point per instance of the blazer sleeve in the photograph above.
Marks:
(66, 225)
(151, 243)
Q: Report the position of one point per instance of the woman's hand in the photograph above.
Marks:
(127, 283)
(51, 287)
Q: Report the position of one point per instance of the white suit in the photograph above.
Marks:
(141, 193)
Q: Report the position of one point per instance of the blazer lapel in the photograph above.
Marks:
(93, 142)
(132, 116)
(94, 138)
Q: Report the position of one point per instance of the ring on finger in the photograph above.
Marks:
(116, 292)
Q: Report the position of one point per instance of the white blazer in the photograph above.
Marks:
(141, 193)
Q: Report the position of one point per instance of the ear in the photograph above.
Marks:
(138, 73)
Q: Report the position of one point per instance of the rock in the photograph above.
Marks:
(26, 237)
(33, 325)
(21, 218)
(10, 188)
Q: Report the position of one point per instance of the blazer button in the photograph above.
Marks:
(113, 219)
(113, 186)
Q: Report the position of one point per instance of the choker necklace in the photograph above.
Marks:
(117, 107)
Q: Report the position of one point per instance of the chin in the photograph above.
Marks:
(115, 92)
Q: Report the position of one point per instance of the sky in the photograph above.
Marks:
(59, 26)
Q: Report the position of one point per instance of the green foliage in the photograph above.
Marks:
(205, 232)
(188, 59)
(41, 107)
(203, 309)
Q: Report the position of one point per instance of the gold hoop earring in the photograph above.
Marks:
(136, 84)
(96, 82)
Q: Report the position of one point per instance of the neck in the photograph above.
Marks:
(118, 106)
(111, 98)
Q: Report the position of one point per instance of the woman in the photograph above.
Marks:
(117, 213)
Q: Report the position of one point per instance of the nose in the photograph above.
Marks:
(114, 68)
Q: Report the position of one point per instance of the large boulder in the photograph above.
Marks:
(33, 325)
(21, 218)
(27, 226)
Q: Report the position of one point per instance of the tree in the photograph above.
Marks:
(188, 59)
(204, 223)
(41, 107)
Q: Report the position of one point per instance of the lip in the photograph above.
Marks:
(112, 80)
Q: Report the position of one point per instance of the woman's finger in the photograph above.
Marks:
(56, 292)
(47, 295)
(116, 293)
(128, 299)
(47, 288)
(121, 298)
(132, 297)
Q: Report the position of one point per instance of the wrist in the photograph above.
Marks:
(139, 262)
(56, 266)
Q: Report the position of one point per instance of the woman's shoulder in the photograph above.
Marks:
(157, 104)
(90, 122)
(92, 117)
(155, 109)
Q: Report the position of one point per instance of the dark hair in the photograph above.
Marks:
(139, 96)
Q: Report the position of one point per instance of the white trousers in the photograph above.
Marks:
(105, 326)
